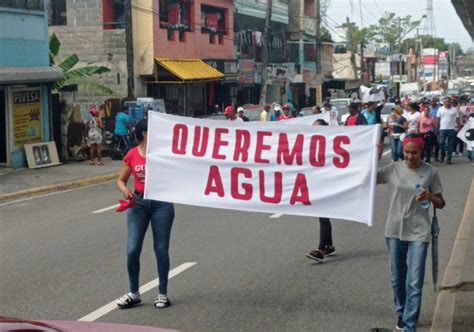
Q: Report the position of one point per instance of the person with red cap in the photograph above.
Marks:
(94, 137)
(286, 113)
(229, 113)
(414, 185)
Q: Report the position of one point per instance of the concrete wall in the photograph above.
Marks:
(197, 45)
(23, 38)
(84, 35)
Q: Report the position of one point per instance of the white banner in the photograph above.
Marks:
(263, 167)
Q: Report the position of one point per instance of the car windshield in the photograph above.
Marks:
(387, 109)
(339, 103)
(253, 113)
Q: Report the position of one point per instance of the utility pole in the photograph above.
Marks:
(266, 39)
(351, 45)
(399, 55)
(127, 5)
(318, 41)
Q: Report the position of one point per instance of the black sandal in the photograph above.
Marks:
(126, 301)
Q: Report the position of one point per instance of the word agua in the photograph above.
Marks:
(202, 146)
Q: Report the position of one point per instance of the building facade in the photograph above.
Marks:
(25, 79)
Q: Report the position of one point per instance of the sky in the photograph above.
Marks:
(447, 23)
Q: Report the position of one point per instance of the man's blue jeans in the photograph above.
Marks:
(160, 215)
(397, 148)
(447, 139)
(407, 272)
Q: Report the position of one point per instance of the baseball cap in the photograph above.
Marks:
(240, 108)
(327, 105)
(228, 110)
(286, 107)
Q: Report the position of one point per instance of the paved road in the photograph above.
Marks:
(60, 261)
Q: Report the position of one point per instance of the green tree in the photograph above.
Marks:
(79, 76)
(430, 42)
(392, 29)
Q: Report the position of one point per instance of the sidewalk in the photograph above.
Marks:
(25, 182)
(455, 304)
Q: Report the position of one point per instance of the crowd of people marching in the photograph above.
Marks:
(417, 132)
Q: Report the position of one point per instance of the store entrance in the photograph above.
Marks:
(3, 129)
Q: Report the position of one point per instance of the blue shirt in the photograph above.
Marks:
(370, 116)
(121, 122)
(434, 111)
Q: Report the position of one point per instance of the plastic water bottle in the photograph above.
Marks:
(424, 204)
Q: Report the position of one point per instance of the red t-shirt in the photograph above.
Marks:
(137, 164)
(426, 124)
(352, 121)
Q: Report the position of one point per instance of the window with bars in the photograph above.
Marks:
(23, 4)
(57, 13)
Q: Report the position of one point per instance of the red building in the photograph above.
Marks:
(194, 67)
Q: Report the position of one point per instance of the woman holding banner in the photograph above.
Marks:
(143, 212)
(325, 247)
(415, 186)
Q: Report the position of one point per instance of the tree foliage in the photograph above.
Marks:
(75, 76)
(430, 42)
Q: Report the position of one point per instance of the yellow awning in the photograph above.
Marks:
(190, 69)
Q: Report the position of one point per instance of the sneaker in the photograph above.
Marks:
(162, 301)
(329, 250)
(128, 301)
(317, 255)
(400, 324)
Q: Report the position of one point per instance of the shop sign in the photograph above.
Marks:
(228, 67)
(27, 119)
(246, 71)
(279, 74)
(309, 75)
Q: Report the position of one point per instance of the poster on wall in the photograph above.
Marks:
(27, 120)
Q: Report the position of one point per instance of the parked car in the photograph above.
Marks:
(305, 111)
(253, 111)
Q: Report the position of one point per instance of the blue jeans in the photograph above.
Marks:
(447, 139)
(407, 272)
(397, 148)
(160, 215)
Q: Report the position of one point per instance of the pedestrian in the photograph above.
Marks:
(94, 137)
(286, 113)
(370, 114)
(265, 113)
(240, 111)
(121, 130)
(273, 116)
(434, 114)
(332, 111)
(408, 227)
(355, 118)
(325, 246)
(448, 118)
(316, 110)
(397, 127)
(229, 113)
(144, 212)
(427, 127)
(457, 141)
(413, 117)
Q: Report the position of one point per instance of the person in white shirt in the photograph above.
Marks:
(230, 115)
(448, 118)
(333, 113)
(413, 117)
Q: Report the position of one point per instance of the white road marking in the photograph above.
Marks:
(145, 288)
(387, 152)
(112, 207)
(53, 193)
(276, 215)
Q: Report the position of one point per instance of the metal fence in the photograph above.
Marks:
(24, 4)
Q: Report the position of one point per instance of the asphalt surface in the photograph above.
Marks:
(59, 261)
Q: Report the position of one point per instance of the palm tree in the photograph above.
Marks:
(78, 76)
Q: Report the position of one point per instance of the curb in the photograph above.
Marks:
(58, 186)
(443, 316)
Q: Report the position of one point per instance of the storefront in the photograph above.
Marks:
(183, 84)
(223, 93)
(25, 111)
